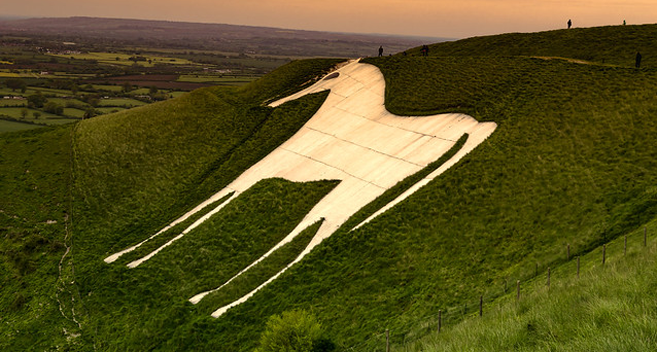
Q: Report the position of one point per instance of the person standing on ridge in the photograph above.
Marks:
(380, 51)
(570, 23)
(637, 63)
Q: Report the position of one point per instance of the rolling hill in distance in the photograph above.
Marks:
(571, 165)
(219, 37)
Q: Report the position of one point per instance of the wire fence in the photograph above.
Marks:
(570, 265)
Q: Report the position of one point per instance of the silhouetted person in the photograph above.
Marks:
(425, 50)
(570, 24)
(638, 60)
(404, 53)
(624, 22)
(380, 51)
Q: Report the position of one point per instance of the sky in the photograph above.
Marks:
(429, 18)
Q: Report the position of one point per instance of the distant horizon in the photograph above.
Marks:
(10, 17)
(407, 18)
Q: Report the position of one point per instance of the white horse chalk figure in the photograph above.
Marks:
(351, 138)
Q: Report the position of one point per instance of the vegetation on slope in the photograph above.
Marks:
(611, 45)
(134, 172)
(570, 163)
(609, 307)
(34, 208)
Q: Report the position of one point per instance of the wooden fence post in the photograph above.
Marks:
(387, 340)
(548, 278)
(481, 305)
(604, 253)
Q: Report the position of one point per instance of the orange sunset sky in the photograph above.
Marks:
(431, 18)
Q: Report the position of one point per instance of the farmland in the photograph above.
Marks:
(82, 75)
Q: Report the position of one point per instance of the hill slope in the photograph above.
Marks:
(572, 162)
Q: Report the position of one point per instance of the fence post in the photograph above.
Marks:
(518, 290)
(568, 253)
(440, 320)
(578, 267)
(481, 305)
(604, 253)
(548, 278)
(387, 340)
(625, 246)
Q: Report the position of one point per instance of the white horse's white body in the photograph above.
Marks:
(351, 138)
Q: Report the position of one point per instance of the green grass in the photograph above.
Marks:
(218, 79)
(571, 162)
(610, 307)
(122, 102)
(12, 103)
(106, 87)
(110, 110)
(613, 45)
(12, 126)
(124, 59)
(73, 112)
(34, 202)
(15, 112)
(255, 276)
(208, 143)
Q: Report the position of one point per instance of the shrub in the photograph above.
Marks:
(294, 331)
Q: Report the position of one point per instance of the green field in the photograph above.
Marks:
(107, 87)
(12, 103)
(124, 59)
(121, 102)
(11, 126)
(572, 163)
(16, 113)
(72, 112)
(218, 79)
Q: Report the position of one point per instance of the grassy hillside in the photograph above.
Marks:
(608, 308)
(569, 164)
(115, 179)
(612, 45)
(35, 208)
(572, 162)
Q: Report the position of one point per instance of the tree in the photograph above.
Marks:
(294, 331)
(36, 100)
(24, 113)
(16, 83)
(127, 87)
(36, 115)
(53, 108)
(89, 113)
